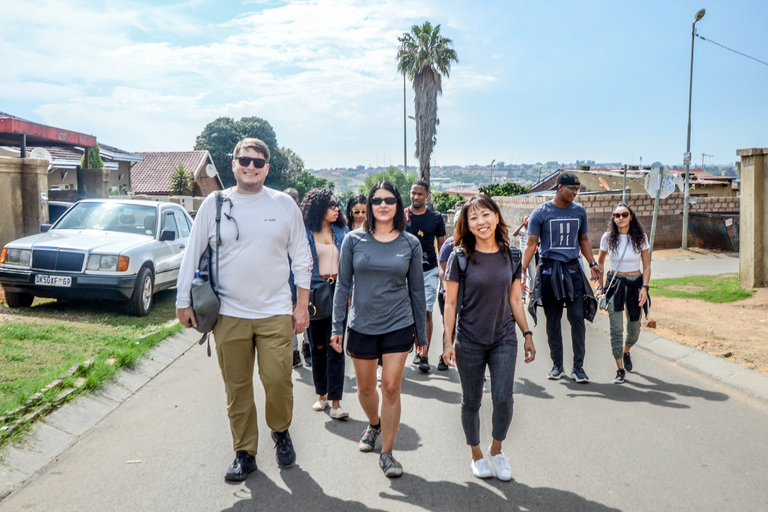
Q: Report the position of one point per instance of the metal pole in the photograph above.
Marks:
(655, 211)
(405, 137)
(688, 149)
(624, 188)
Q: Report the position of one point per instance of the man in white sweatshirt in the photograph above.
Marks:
(260, 229)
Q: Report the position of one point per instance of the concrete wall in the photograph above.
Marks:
(22, 180)
(95, 183)
(669, 229)
(753, 271)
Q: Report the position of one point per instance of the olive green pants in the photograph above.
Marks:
(240, 342)
(618, 340)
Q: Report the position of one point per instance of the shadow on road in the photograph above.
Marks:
(352, 430)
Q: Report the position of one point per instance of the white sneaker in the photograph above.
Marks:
(320, 405)
(481, 469)
(339, 413)
(378, 373)
(501, 466)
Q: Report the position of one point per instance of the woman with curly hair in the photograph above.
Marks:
(626, 243)
(356, 211)
(326, 228)
(491, 308)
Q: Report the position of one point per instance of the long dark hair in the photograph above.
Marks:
(636, 231)
(314, 207)
(354, 201)
(466, 239)
(370, 220)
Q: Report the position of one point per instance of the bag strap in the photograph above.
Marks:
(407, 212)
(617, 266)
(219, 201)
(463, 262)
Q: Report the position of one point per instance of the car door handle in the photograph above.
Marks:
(181, 247)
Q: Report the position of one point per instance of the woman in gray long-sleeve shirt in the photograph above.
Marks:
(388, 309)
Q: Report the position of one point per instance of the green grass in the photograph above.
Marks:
(716, 289)
(39, 344)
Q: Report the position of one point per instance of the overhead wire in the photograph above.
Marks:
(732, 50)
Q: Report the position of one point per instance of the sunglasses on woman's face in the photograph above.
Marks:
(378, 200)
(621, 215)
(358, 212)
(335, 205)
(245, 161)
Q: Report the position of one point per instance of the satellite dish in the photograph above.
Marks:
(210, 170)
(41, 153)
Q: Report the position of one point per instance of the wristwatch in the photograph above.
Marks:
(593, 264)
(526, 333)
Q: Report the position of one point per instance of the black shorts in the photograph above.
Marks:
(372, 346)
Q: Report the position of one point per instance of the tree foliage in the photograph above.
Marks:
(395, 176)
(425, 56)
(507, 189)
(94, 158)
(443, 201)
(182, 181)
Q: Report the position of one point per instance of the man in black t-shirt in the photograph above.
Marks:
(427, 225)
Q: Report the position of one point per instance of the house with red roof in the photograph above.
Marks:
(152, 176)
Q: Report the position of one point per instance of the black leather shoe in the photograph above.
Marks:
(424, 364)
(441, 365)
(284, 452)
(244, 464)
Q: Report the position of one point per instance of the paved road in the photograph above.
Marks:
(682, 266)
(669, 439)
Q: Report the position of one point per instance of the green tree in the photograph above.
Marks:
(443, 201)
(221, 136)
(425, 56)
(507, 189)
(182, 181)
(396, 177)
(94, 158)
(304, 181)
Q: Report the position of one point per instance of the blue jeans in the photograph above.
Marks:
(471, 360)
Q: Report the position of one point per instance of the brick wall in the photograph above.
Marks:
(669, 229)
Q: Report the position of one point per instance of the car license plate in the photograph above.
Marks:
(53, 280)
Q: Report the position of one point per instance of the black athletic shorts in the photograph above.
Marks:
(372, 346)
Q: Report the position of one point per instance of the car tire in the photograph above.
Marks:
(18, 299)
(142, 299)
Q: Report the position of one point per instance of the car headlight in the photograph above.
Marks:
(15, 256)
(107, 262)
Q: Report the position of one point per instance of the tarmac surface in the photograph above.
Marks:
(681, 434)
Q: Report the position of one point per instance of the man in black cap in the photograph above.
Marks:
(561, 227)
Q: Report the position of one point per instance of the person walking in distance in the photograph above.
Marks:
(528, 273)
(561, 226)
(256, 318)
(427, 225)
(486, 338)
(356, 211)
(627, 282)
(388, 309)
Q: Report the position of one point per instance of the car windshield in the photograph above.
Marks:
(111, 216)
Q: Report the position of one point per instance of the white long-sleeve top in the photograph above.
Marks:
(254, 266)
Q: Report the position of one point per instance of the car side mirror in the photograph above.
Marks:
(167, 236)
(44, 228)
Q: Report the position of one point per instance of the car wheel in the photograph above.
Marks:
(18, 300)
(141, 301)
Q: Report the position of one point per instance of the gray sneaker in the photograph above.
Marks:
(556, 373)
(416, 359)
(389, 465)
(368, 441)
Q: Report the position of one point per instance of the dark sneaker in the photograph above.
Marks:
(368, 441)
(556, 373)
(244, 464)
(424, 365)
(307, 355)
(619, 378)
(441, 365)
(627, 362)
(416, 359)
(284, 452)
(579, 375)
(390, 466)
(296, 359)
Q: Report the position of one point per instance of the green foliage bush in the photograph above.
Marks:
(507, 189)
(94, 158)
(182, 181)
(443, 201)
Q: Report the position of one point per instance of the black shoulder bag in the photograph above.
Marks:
(205, 296)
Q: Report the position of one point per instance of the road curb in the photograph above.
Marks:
(751, 382)
(62, 428)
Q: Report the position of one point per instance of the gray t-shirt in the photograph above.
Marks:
(389, 285)
(558, 230)
(486, 316)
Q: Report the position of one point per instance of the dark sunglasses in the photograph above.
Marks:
(378, 200)
(358, 212)
(335, 205)
(245, 161)
(620, 215)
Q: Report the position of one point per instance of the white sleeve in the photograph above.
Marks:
(298, 249)
(196, 244)
(646, 245)
(604, 242)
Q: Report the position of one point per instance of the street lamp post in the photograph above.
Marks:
(687, 157)
(405, 137)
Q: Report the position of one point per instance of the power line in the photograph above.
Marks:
(732, 50)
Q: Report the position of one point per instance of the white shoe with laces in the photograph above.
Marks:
(501, 466)
(481, 469)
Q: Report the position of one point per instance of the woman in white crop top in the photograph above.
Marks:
(627, 244)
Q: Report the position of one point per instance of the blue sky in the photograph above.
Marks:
(536, 81)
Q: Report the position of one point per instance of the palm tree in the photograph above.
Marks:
(425, 56)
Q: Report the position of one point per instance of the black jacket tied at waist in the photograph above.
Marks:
(562, 286)
(626, 291)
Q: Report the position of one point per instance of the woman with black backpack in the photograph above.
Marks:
(483, 283)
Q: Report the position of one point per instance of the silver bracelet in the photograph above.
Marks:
(448, 345)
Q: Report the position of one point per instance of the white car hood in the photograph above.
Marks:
(89, 240)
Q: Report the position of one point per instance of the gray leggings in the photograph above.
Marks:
(617, 330)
